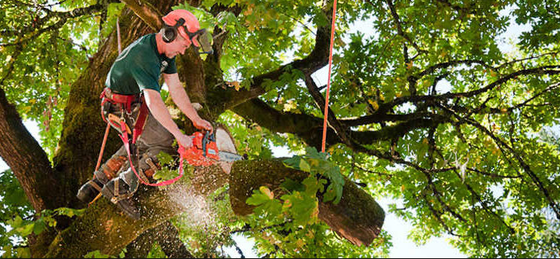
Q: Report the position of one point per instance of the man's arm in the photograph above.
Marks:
(180, 97)
(161, 114)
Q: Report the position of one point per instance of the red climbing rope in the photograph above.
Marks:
(108, 124)
(329, 79)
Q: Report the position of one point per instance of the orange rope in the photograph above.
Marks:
(108, 123)
(118, 35)
(329, 80)
(102, 146)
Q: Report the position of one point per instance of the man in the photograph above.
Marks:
(133, 78)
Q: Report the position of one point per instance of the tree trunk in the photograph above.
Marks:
(166, 235)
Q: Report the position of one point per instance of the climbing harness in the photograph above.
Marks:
(127, 125)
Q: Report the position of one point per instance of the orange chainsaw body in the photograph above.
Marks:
(204, 151)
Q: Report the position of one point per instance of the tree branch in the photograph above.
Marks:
(340, 130)
(37, 28)
(26, 157)
(399, 27)
(166, 235)
(146, 11)
(500, 143)
(317, 59)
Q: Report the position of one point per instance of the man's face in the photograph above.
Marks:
(178, 46)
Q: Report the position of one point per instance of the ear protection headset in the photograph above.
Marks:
(170, 32)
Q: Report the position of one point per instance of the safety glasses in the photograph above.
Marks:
(202, 39)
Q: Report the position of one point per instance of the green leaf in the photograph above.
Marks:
(292, 185)
(260, 197)
(292, 162)
(304, 166)
(39, 227)
(96, 254)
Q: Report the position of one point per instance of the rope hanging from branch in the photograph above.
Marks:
(326, 112)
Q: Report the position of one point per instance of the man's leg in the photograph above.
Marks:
(120, 193)
(154, 139)
(107, 171)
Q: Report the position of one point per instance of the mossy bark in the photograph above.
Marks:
(357, 217)
(166, 235)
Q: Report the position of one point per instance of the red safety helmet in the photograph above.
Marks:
(184, 23)
(189, 22)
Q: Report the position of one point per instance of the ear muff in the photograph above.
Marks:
(169, 34)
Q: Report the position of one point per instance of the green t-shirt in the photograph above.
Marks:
(139, 67)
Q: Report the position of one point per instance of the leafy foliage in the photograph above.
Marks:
(318, 166)
(290, 227)
(18, 221)
(14, 207)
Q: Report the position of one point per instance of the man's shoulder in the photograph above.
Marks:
(141, 49)
(144, 42)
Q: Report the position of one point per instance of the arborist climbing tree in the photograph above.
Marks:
(132, 104)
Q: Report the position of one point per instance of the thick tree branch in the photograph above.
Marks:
(309, 128)
(146, 11)
(277, 121)
(103, 227)
(166, 235)
(397, 130)
(26, 158)
(378, 118)
(357, 217)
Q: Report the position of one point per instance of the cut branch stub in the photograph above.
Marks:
(357, 217)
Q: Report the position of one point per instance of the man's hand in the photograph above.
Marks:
(203, 124)
(184, 140)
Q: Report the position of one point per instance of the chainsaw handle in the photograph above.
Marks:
(204, 141)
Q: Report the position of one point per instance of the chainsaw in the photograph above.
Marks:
(204, 151)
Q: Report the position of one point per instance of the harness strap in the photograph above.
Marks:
(140, 121)
(95, 185)
(119, 197)
(126, 99)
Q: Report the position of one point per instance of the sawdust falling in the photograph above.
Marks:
(194, 206)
